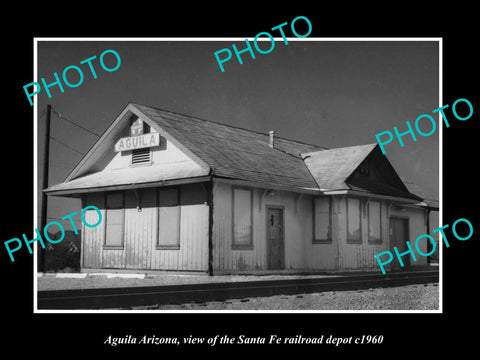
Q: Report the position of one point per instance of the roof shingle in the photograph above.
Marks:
(332, 167)
(231, 152)
(238, 153)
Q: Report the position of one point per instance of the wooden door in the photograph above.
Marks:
(275, 239)
(398, 237)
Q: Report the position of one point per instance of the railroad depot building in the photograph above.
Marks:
(179, 193)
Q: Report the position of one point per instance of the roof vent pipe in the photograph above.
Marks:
(272, 135)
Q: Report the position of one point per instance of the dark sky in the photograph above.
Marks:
(329, 93)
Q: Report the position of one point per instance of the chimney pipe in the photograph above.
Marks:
(272, 135)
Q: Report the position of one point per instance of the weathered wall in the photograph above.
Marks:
(362, 255)
(341, 255)
(141, 232)
(321, 256)
(298, 228)
(417, 224)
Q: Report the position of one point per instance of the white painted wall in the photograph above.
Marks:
(166, 153)
(297, 224)
(417, 226)
(141, 232)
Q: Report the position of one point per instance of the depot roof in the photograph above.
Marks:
(229, 152)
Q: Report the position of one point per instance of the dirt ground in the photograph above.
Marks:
(99, 281)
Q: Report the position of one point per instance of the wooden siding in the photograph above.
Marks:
(322, 255)
(417, 225)
(362, 255)
(301, 252)
(92, 238)
(359, 255)
(141, 232)
(140, 229)
(297, 223)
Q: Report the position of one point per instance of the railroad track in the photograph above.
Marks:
(126, 297)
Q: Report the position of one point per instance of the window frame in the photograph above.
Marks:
(248, 246)
(328, 240)
(374, 240)
(122, 207)
(176, 246)
(360, 213)
(364, 168)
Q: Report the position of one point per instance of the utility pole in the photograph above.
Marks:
(46, 156)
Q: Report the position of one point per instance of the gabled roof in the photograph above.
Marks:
(429, 201)
(237, 153)
(230, 152)
(217, 149)
(332, 167)
(336, 169)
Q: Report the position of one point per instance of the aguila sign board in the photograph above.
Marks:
(138, 142)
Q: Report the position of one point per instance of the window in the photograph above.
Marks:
(138, 126)
(353, 221)
(141, 156)
(374, 221)
(168, 219)
(363, 169)
(115, 221)
(242, 219)
(322, 220)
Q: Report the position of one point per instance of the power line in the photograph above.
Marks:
(60, 166)
(62, 117)
(43, 113)
(68, 146)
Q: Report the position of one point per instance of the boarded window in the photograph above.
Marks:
(353, 221)
(115, 221)
(242, 219)
(322, 220)
(168, 219)
(374, 221)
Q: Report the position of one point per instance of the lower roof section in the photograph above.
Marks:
(131, 177)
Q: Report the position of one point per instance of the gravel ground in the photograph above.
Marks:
(410, 297)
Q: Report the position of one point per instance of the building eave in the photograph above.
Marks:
(370, 195)
(79, 191)
(269, 186)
